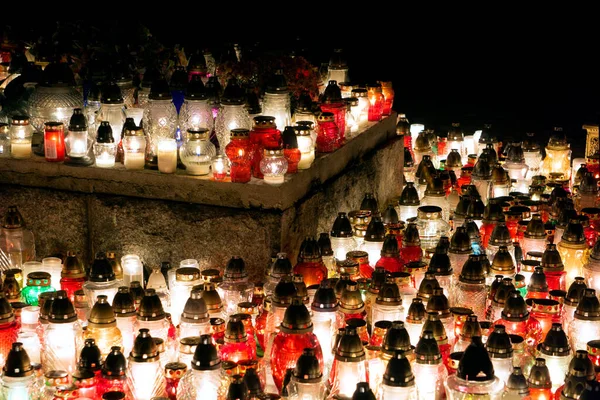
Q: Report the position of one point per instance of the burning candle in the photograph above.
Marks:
(167, 156)
(219, 167)
(54, 141)
(134, 146)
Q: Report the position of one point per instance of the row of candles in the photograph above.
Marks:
(417, 308)
(157, 133)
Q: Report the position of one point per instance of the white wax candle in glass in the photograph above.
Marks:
(167, 156)
(134, 148)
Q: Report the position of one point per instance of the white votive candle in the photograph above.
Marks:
(167, 156)
(134, 160)
(20, 148)
(306, 159)
(105, 160)
(274, 180)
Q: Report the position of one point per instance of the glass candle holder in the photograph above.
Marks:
(240, 153)
(21, 133)
(144, 373)
(160, 119)
(306, 147)
(219, 167)
(195, 112)
(37, 283)
(167, 155)
(431, 226)
(197, 152)
(105, 154)
(133, 269)
(273, 167)
(54, 141)
(328, 133)
(376, 102)
(134, 149)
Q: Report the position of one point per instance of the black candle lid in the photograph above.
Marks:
(581, 360)
(62, 310)
(307, 368)
(296, 318)
(363, 392)
(17, 363)
(252, 382)
(539, 376)
(435, 325)
(151, 308)
(427, 286)
(503, 291)
(235, 269)
(416, 312)
(476, 365)
(144, 348)
(515, 308)
(390, 216)
(499, 344)
(500, 235)
(90, 357)
(575, 292)
(438, 303)
(427, 350)
(556, 342)
(101, 270)
(325, 299)
(409, 195)
(398, 372)
(160, 90)
(195, 89)
(470, 328)
(390, 246)
(460, 243)
(104, 133)
(351, 301)
(237, 389)
(389, 294)
(588, 308)
(284, 292)
(472, 271)
(195, 310)
(115, 364)
(375, 230)
(411, 235)
(206, 356)
(350, 347)
(235, 332)
(281, 267)
(123, 303)
(537, 282)
(396, 339)
(325, 244)
(517, 382)
(369, 202)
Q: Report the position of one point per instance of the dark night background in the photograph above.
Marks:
(521, 72)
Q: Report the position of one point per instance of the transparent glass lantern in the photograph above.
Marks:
(431, 226)
(78, 141)
(55, 98)
(197, 152)
(273, 166)
(160, 119)
(195, 113)
(21, 133)
(134, 148)
(112, 107)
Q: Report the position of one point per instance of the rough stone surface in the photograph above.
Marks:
(379, 172)
(159, 231)
(59, 220)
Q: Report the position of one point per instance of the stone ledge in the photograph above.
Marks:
(36, 172)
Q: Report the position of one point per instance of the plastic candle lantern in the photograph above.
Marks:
(388, 306)
(396, 339)
(20, 137)
(475, 375)
(537, 287)
(517, 320)
(112, 107)
(102, 326)
(341, 236)
(152, 316)
(295, 335)
(431, 226)
(280, 268)
(500, 237)
(430, 373)
(157, 281)
(482, 178)
(427, 286)
(72, 275)
(61, 336)
(398, 379)
(276, 101)
(134, 148)
(349, 365)
(499, 348)
(235, 287)
(540, 385)
(160, 119)
(203, 380)
(273, 166)
(361, 113)
(195, 112)
(374, 238)
(390, 255)
(388, 94)
(334, 104)
(237, 345)
(310, 263)
(573, 250)
(470, 290)
(586, 321)
(454, 162)
(553, 268)
(440, 266)
(115, 264)
(185, 279)
(144, 373)
(499, 291)
(516, 386)
(54, 141)
(264, 135)
(124, 309)
(460, 249)
(470, 328)
(37, 283)
(415, 318)
(571, 300)
(500, 181)
(438, 304)
(213, 301)
(558, 155)
(194, 318)
(307, 378)
(409, 202)
(423, 152)
(502, 264)
(101, 280)
(105, 147)
(18, 379)
(11, 287)
(556, 351)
